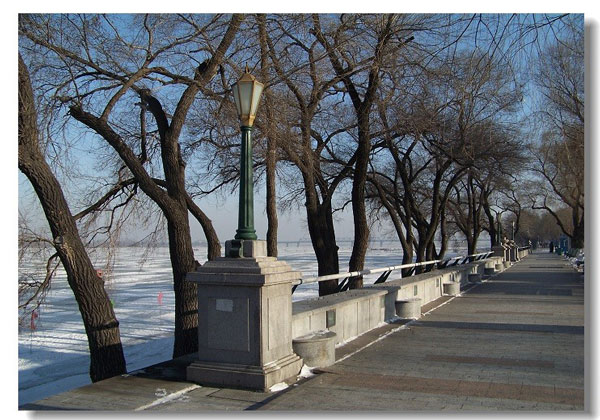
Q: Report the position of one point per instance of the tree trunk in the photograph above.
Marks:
(186, 299)
(430, 251)
(399, 221)
(421, 247)
(322, 235)
(443, 235)
(271, 158)
(471, 249)
(101, 325)
(491, 226)
(407, 258)
(359, 211)
(578, 237)
(212, 240)
(272, 221)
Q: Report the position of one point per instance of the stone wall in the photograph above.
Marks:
(355, 312)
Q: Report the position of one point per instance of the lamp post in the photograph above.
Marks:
(246, 93)
(245, 299)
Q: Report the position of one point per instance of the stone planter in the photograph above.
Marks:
(317, 349)
(452, 289)
(408, 308)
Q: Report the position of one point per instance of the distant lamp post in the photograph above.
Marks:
(246, 92)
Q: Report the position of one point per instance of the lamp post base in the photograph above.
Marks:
(247, 234)
(244, 248)
(244, 319)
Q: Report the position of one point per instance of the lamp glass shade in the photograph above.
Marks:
(236, 97)
(246, 93)
(256, 92)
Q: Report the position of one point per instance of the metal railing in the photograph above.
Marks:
(386, 271)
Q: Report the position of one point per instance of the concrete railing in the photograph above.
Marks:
(386, 271)
(353, 312)
(523, 251)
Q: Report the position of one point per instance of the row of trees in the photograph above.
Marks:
(416, 121)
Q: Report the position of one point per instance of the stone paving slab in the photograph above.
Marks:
(513, 342)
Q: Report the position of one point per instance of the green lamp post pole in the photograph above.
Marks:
(246, 93)
(245, 228)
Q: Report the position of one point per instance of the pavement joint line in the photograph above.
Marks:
(442, 304)
(168, 398)
(401, 327)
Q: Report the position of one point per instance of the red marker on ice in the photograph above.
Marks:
(34, 316)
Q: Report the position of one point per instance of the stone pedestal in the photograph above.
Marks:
(474, 277)
(408, 308)
(499, 251)
(489, 268)
(244, 321)
(317, 349)
(514, 257)
(452, 289)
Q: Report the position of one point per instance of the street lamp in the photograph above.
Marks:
(245, 299)
(246, 93)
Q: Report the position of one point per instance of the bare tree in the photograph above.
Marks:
(442, 123)
(268, 130)
(490, 184)
(287, 130)
(560, 155)
(308, 145)
(101, 325)
(359, 67)
(100, 88)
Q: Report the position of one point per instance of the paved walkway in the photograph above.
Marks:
(513, 342)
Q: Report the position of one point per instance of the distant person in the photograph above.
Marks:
(551, 247)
